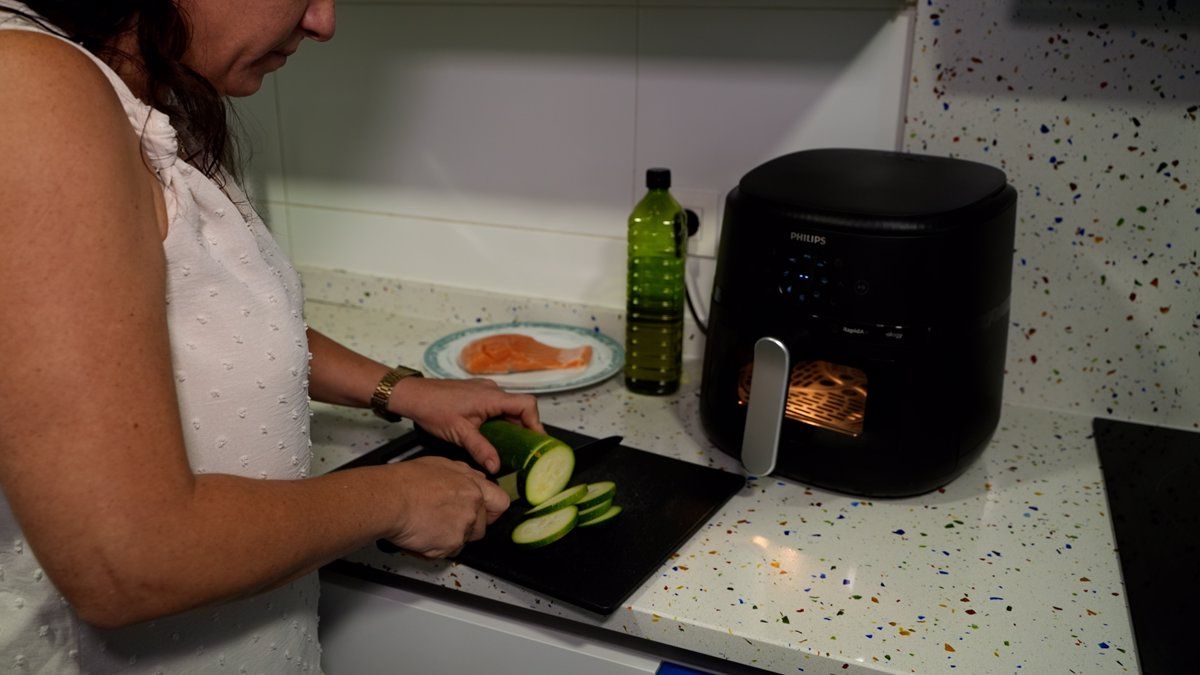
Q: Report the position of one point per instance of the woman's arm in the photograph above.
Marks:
(92, 459)
(451, 409)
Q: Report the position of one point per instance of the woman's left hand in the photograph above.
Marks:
(453, 410)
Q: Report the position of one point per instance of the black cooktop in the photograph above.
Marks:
(1152, 477)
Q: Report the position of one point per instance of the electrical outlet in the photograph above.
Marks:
(708, 204)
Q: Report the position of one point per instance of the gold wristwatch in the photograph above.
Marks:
(383, 391)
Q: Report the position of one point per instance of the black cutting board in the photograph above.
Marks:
(664, 502)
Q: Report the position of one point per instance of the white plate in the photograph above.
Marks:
(441, 358)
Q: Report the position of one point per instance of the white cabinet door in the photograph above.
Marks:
(367, 628)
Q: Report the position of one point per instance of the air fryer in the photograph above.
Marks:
(859, 319)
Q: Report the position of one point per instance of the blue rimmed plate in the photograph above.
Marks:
(441, 357)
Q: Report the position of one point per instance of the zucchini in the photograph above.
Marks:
(594, 510)
(547, 529)
(603, 517)
(597, 493)
(561, 500)
(545, 462)
(515, 444)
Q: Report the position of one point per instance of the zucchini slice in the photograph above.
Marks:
(595, 510)
(603, 517)
(561, 500)
(549, 474)
(547, 529)
(597, 493)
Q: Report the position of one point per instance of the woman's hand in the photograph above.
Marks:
(453, 410)
(444, 505)
(450, 409)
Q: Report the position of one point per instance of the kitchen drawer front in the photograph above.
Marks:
(368, 628)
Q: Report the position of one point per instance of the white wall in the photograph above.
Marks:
(501, 145)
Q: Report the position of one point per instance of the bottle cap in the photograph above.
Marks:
(658, 178)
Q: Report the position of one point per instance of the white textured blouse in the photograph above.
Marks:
(240, 358)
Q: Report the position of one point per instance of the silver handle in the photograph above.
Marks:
(764, 412)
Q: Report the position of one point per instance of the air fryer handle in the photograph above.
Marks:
(764, 411)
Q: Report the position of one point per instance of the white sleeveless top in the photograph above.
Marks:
(240, 357)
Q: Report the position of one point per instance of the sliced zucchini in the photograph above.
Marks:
(605, 516)
(595, 510)
(561, 500)
(597, 493)
(549, 474)
(547, 529)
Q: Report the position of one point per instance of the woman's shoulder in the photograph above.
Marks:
(64, 126)
(58, 110)
(48, 82)
(30, 57)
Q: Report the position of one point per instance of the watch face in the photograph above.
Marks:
(396, 374)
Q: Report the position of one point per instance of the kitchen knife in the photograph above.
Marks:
(592, 446)
(600, 444)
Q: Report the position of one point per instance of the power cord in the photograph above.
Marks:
(693, 225)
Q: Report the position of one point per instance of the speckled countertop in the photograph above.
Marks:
(1010, 568)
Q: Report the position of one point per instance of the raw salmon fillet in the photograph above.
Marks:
(513, 353)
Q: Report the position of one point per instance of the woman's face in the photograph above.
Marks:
(235, 43)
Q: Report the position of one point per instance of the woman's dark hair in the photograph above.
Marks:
(197, 111)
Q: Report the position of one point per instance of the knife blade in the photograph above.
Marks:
(600, 444)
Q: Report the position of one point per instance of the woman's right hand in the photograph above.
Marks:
(444, 505)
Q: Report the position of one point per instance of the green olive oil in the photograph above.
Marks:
(655, 289)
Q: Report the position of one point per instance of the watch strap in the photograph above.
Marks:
(383, 391)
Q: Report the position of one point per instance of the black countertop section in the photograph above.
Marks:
(1152, 477)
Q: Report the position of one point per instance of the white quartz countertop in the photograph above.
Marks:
(1011, 568)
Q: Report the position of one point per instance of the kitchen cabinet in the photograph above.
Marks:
(369, 628)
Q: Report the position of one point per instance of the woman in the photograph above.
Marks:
(157, 365)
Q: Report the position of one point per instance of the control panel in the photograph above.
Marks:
(811, 279)
(817, 283)
(872, 332)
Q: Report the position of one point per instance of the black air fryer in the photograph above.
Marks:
(858, 319)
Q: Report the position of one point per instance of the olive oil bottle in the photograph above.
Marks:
(654, 289)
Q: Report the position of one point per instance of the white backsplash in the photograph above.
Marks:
(1091, 110)
(501, 145)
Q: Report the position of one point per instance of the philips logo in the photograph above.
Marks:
(808, 238)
